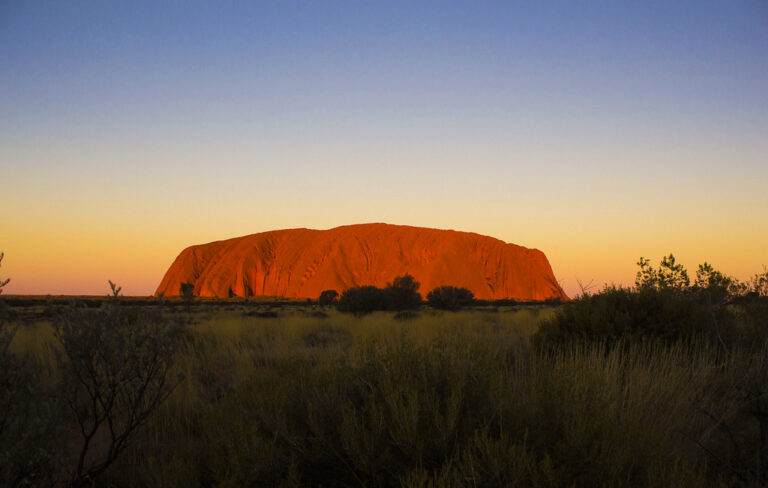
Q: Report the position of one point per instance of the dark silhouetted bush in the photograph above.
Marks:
(399, 295)
(670, 274)
(187, 291)
(328, 297)
(623, 313)
(663, 305)
(450, 298)
(402, 293)
(362, 300)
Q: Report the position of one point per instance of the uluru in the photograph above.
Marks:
(301, 263)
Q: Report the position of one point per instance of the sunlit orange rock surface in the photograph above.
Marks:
(301, 263)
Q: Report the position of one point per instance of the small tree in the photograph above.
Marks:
(708, 277)
(402, 293)
(646, 276)
(670, 274)
(115, 366)
(328, 297)
(450, 298)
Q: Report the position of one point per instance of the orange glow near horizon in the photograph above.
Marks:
(73, 257)
(69, 232)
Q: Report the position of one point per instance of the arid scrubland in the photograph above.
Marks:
(663, 384)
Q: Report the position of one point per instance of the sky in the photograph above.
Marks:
(597, 132)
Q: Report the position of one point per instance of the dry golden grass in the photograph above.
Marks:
(313, 397)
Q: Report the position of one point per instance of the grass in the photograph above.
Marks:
(313, 397)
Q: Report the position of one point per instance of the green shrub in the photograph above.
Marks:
(664, 305)
(621, 313)
(450, 298)
(670, 274)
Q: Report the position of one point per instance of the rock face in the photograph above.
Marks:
(301, 263)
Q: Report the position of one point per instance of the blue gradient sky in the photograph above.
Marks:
(594, 131)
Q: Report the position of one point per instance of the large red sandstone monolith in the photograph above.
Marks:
(301, 263)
